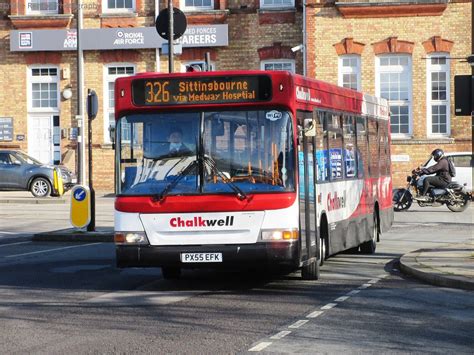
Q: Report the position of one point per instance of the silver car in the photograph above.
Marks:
(18, 171)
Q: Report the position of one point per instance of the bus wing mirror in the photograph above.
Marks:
(112, 136)
(309, 127)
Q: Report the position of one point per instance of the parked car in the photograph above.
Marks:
(464, 165)
(19, 171)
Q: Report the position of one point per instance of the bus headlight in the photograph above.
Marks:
(131, 238)
(280, 235)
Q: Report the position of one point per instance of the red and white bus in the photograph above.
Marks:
(276, 170)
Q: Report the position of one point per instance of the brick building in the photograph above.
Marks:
(401, 50)
(38, 61)
(406, 51)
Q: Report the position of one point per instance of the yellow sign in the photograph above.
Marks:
(80, 206)
(58, 182)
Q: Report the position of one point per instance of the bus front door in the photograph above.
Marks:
(307, 197)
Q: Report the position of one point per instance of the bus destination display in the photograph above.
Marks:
(201, 90)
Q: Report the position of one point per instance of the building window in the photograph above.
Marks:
(42, 7)
(438, 96)
(393, 82)
(118, 5)
(198, 4)
(113, 72)
(277, 3)
(288, 65)
(349, 72)
(44, 86)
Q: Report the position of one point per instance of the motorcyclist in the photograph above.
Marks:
(442, 177)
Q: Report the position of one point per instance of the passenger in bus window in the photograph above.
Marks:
(176, 145)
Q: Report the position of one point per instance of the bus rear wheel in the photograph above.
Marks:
(370, 246)
(171, 273)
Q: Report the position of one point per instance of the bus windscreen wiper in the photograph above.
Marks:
(212, 164)
(184, 172)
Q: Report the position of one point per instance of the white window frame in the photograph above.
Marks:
(30, 11)
(350, 70)
(40, 80)
(107, 10)
(279, 61)
(276, 6)
(430, 68)
(196, 8)
(409, 102)
(107, 79)
(200, 63)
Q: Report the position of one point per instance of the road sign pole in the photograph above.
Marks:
(81, 147)
(91, 225)
(170, 36)
(92, 108)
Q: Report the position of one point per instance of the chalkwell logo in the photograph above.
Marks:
(178, 222)
(305, 95)
(301, 94)
(336, 202)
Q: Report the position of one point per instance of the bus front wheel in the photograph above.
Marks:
(310, 271)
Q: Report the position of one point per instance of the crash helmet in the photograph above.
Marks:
(437, 154)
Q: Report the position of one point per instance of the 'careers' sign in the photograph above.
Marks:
(114, 38)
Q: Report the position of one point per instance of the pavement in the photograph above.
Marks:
(446, 266)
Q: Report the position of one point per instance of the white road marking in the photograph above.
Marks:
(281, 334)
(141, 298)
(353, 292)
(298, 323)
(314, 314)
(7, 245)
(55, 249)
(341, 299)
(11, 233)
(261, 346)
(374, 281)
(329, 306)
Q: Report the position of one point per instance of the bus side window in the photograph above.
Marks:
(335, 147)
(373, 148)
(384, 148)
(321, 147)
(350, 161)
(362, 147)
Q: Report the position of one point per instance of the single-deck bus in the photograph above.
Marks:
(273, 169)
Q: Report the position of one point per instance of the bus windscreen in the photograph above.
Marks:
(201, 90)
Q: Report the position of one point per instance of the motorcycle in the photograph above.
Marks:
(454, 196)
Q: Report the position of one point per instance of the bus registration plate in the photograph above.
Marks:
(201, 257)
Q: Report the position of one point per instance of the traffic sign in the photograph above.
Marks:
(80, 206)
(179, 23)
(463, 95)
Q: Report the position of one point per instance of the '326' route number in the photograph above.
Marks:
(156, 92)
